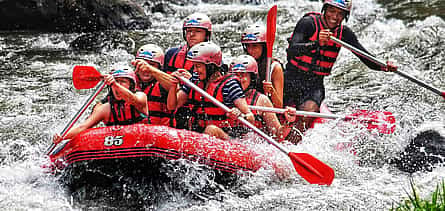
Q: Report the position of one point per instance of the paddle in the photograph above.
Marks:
(84, 77)
(383, 121)
(383, 64)
(270, 38)
(310, 168)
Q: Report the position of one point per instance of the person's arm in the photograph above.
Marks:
(138, 99)
(350, 37)
(165, 79)
(180, 97)
(172, 98)
(278, 84)
(299, 43)
(233, 92)
(272, 123)
(99, 114)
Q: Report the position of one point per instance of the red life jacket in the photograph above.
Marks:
(207, 113)
(157, 106)
(320, 60)
(179, 60)
(123, 113)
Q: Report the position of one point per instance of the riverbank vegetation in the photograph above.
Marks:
(414, 202)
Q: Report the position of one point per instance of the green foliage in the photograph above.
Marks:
(413, 202)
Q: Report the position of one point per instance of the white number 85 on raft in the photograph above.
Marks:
(113, 140)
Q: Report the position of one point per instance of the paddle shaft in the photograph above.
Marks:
(312, 114)
(79, 113)
(383, 64)
(299, 113)
(241, 119)
(268, 75)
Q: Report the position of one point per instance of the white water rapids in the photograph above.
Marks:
(37, 100)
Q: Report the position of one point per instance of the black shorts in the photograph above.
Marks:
(300, 87)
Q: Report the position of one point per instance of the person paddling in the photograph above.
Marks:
(311, 55)
(160, 113)
(245, 67)
(209, 118)
(196, 28)
(254, 40)
(125, 105)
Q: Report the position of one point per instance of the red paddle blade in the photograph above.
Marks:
(85, 77)
(383, 121)
(271, 29)
(311, 169)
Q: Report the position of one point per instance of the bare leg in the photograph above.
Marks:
(311, 106)
(216, 131)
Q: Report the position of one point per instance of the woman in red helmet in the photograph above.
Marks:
(245, 67)
(125, 105)
(207, 117)
(311, 55)
(254, 44)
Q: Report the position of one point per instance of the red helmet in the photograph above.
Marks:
(124, 72)
(151, 52)
(244, 64)
(206, 52)
(345, 5)
(254, 34)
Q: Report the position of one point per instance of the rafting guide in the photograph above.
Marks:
(311, 55)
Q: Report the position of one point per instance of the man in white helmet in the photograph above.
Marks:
(196, 28)
(157, 93)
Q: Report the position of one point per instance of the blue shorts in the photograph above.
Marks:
(300, 87)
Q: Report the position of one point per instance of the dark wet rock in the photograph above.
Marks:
(157, 6)
(256, 2)
(97, 41)
(423, 152)
(71, 15)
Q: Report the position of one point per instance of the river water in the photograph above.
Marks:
(37, 99)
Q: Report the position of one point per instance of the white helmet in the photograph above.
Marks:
(254, 34)
(151, 52)
(244, 64)
(197, 20)
(206, 52)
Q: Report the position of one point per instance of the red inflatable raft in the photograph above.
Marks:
(153, 141)
(142, 140)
